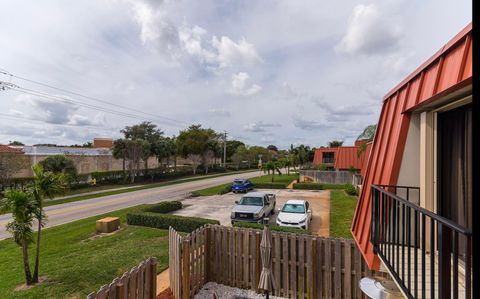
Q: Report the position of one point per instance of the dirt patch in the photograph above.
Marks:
(163, 281)
(24, 286)
(96, 236)
(166, 294)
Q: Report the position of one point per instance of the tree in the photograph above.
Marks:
(87, 144)
(165, 148)
(272, 147)
(22, 206)
(135, 150)
(15, 143)
(119, 151)
(232, 146)
(193, 143)
(60, 164)
(272, 166)
(368, 133)
(147, 132)
(46, 184)
(335, 143)
(11, 164)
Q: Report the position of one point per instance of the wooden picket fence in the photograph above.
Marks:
(304, 266)
(139, 282)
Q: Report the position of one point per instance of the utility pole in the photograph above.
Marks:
(225, 150)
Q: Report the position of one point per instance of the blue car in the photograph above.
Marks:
(241, 185)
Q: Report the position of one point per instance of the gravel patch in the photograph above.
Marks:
(226, 292)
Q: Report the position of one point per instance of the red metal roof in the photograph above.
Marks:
(317, 157)
(448, 70)
(10, 150)
(368, 149)
(346, 157)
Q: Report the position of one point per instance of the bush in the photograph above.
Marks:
(308, 186)
(164, 221)
(350, 189)
(273, 228)
(273, 185)
(164, 207)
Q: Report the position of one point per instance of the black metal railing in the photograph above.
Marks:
(428, 255)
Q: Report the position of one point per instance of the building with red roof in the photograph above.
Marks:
(414, 214)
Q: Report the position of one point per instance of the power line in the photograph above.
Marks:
(90, 97)
(14, 87)
(28, 119)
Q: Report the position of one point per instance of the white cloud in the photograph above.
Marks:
(369, 32)
(234, 53)
(309, 125)
(219, 112)
(156, 28)
(55, 111)
(241, 85)
(259, 126)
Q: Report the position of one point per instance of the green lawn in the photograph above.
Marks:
(342, 208)
(284, 178)
(74, 265)
(212, 190)
(264, 179)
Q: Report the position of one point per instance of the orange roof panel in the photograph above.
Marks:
(447, 70)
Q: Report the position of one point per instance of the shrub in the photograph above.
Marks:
(350, 189)
(164, 207)
(164, 221)
(308, 186)
(273, 228)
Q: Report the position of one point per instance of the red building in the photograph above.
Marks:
(341, 158)
(414, 215)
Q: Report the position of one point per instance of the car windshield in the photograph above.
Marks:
(251, 201)
(293, 208)
(238, 182)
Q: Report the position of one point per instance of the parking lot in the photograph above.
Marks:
(219, 207)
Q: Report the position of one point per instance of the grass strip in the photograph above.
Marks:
(342, 208)
(75, 262)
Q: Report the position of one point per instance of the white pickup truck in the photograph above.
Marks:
(253, 207)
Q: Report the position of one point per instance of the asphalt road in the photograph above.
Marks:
(68, 212)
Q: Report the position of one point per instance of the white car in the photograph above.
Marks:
(295, 213)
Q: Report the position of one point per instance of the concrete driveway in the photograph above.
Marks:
(219, 207)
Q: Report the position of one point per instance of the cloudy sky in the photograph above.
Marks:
(278, 72)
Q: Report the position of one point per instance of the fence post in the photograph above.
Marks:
(207, 252)
(153, 283)
(258, 261)
(186, 268)
(120, 289)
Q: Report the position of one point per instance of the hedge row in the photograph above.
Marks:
(164, 221)
(308, 186)
(273, 228)
(164, 207)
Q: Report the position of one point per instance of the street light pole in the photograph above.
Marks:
(225, 150)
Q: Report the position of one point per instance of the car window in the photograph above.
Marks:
(251, 201)
(293, 208)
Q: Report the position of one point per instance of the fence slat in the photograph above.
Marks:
(347, 284)
(328, 268)
(338, 272)
(293, 264)
(301, 266)
(286, 281)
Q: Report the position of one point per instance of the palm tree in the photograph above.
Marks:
(273, 166)
(23, 207)
(46, 185)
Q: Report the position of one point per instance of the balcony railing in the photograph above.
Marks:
(428, 255)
